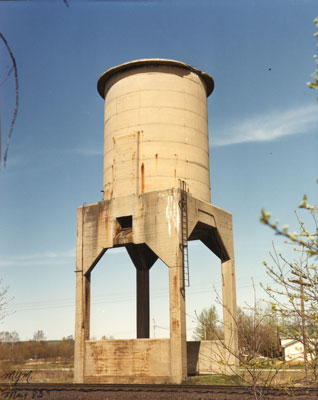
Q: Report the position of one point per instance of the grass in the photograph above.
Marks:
(283, 376)
(42, 371)
(61, 371)
(52, 376)
(215, 380)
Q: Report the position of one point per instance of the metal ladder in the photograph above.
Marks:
(184, 232)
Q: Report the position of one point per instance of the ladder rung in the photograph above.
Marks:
(184, 232)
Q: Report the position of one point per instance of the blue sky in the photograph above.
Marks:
(263, 123)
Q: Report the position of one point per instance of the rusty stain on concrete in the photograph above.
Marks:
(112, 187)
(175, 283)
(143, 358)
(175, 326)
(142, 170)
(101, 225)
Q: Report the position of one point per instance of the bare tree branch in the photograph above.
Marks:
(8, 74)
(16, 96)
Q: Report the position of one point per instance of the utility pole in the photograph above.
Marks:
(154, 328)
(301, 283)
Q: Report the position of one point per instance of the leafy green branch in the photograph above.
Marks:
(314, 75)
(309, 240)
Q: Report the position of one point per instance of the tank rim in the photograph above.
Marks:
(101, 83)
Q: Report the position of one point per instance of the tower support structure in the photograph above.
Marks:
(155, 232)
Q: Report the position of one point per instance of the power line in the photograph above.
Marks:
(102, 299)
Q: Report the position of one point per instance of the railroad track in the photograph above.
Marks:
(52, 391)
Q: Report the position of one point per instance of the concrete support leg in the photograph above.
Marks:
(143, 258)
(142, 276)
(177, 325)
(229, 315)
(82, 320)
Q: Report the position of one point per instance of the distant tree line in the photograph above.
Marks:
(14, 351)
(256, 326)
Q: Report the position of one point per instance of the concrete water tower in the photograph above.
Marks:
(156, 197)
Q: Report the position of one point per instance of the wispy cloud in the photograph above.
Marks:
(39, 259)
(46, 258)
(269, 127)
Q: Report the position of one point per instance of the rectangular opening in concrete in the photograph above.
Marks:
(125, 222)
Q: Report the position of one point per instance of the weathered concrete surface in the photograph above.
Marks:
(133, 361)
(156, 228)
(156, 130)
(206, 357)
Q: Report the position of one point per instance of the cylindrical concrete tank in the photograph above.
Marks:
(156, 128)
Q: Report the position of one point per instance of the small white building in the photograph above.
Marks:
(293, 350)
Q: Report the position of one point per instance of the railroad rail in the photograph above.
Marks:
(52, 391)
